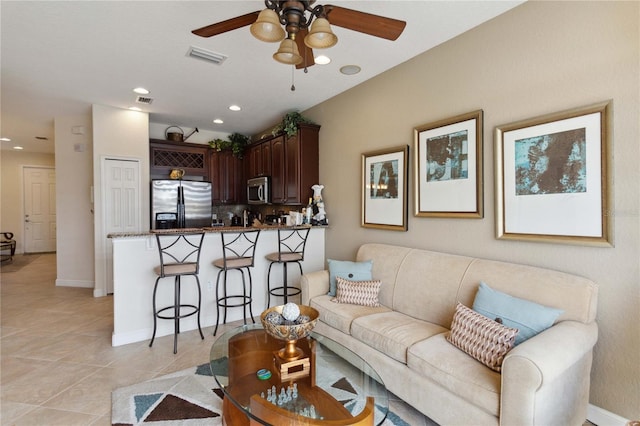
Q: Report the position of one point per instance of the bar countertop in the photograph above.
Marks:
(210, 229)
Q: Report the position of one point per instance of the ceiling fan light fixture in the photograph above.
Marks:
(288, 53)
(320, 36)
(267, 27)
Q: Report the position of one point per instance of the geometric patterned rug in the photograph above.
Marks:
(187, 397)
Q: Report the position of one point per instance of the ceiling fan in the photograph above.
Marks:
(302, 33)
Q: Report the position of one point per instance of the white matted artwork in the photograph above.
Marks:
(551, 178)
(448, 167)
(384, 188)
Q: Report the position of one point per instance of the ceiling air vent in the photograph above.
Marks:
(144, 100)
(206, 55)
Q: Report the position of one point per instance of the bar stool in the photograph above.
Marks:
(291, 244)
(238, 250)
(179, 257)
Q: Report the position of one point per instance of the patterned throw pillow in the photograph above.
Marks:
(363, 293)
(483, 338)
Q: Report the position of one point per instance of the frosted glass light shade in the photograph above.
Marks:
(267, 27)
(288, 53)
(320, 36)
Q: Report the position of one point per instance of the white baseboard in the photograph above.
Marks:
(164, 329)
(601, 417)
(74, 283)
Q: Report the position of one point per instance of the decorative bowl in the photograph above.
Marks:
(290, 332)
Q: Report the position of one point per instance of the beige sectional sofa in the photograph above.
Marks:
(544, 380)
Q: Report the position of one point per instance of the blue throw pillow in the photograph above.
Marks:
(528, 317)
(352, 271)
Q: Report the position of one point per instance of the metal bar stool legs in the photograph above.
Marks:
(283, 291)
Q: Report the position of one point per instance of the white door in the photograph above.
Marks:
(121, 203)
(39, 209)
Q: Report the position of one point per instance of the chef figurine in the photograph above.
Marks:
(320, 216)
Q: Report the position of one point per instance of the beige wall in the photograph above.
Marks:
(539, 58)
(11, 190)
(74, 178)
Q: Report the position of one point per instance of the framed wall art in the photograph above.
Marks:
(384, 188)
(448, 167)
(552, 181)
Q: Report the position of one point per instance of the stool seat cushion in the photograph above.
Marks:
(177, 269)
(234, 262)
(285, 257)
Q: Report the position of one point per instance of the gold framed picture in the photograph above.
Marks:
(448, 167)
(384, 188)
(552, 180)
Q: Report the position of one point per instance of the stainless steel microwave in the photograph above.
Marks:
(258, 190)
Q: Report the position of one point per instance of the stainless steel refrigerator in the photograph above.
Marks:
(186, 203)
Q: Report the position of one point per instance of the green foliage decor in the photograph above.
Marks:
(236, 143)
(289, 124)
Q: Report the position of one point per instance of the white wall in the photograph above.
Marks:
(539, 58)
(12, 189)
(120, 134)
(74, 209)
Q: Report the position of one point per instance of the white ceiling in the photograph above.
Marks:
(60, 57)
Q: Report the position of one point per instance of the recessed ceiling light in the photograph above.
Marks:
(18, 148)
(235, 108)
(5, 139)
(135, 109)
(141, 91)
(218, 121)
(322, 60)
(350, 69)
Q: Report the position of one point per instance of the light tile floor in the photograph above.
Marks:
(57, 363)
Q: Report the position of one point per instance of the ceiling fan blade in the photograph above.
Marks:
(305, 51)
(363, 22)
(228, 25)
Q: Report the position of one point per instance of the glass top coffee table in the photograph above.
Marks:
(329, 384)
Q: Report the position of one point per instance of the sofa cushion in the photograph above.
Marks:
(355, 271)
(392, 332)
(340, 316)
(363, 293)
(483, 338)
(528, 317)
(457, 372)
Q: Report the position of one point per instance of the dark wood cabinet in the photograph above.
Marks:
(291, 161)
(258, 159)
(294, 166)
(166, 155)
(226, 178)
(278, 170)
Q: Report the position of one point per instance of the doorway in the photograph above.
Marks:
(39, 209)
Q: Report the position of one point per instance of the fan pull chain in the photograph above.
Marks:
(293, 87)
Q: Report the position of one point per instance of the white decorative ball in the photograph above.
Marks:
(291, 311)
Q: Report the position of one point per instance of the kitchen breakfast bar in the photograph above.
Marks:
(136, 255)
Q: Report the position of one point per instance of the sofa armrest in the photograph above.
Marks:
(314, 284)
(548, 374)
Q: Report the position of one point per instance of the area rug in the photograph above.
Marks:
(188, 397)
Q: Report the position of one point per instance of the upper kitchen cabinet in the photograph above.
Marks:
(165, 156)
(227, 183)
(258, 159)
(294, 166)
